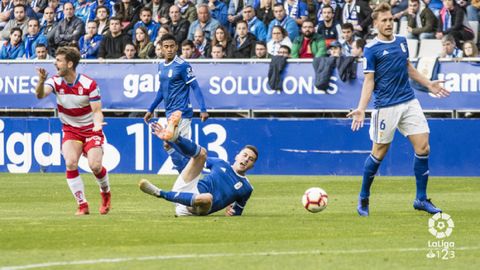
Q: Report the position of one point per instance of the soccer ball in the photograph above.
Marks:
(315, 199)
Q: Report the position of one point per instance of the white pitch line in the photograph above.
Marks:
(337, 152)
(214, 255)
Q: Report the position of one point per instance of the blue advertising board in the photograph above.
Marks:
(291, 147)
(233, 86)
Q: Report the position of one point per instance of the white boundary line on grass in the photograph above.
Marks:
(214, 255)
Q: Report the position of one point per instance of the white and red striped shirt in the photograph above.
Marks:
(73, 101)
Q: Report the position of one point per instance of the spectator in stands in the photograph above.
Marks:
(473, 10)
(48, 28)
(82, 10)
(309, 44)
(328, 28)
(449, 48)
(189, 51)
(435, 6)
(89, 44)
(187, 10)
(357, 48)
(261, 50)
(147, 22)
(222, 38)
(144, 47)
(41, 52)
(453, 22)
(421, 24)
(284, 21)
(347, 39)
(178, 25)
(29, 12)
(128, 11)
(129, 52)
(218, 11)
(265, 11)
(39, 7)
(284, 51)
(160, 9)
(244, 42)
(399, 7)
(297, 10)
(158, 51)
(358, 13)
(20, 21)
(470, 49)
(335, 49)
(335, 7)
(103, 19)
(279, 38)
(14, 47)
(70, 29)
(202, 43)
(113, 43)
(218, 52)
(33, 37)
(99, 3)
(235, 11)
(204, 23)
(164, 29)
(255, 26)
(5, 11)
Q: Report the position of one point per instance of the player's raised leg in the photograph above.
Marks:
(95, 156)
(421, 147)
(72, 150)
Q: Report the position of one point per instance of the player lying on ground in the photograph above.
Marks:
(80, 111)
(225, 187)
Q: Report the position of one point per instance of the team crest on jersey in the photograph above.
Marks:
(80, 90)
(238, 185)
(170, 73)
(403, 47)
(61, 91)
(189, 72)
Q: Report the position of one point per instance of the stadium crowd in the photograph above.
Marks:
(131, 29)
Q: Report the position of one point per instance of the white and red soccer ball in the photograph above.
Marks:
(315, 199)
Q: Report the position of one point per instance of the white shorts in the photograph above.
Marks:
(407, 117)
(184, 127)
(181, 186)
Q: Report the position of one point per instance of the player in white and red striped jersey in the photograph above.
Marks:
(80, 111)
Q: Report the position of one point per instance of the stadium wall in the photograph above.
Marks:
(287, 146)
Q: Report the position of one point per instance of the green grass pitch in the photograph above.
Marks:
(38, 229)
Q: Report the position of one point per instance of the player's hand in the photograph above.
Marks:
(157, 129)
(229, 211)
(98, 126)
(42, 74)
(358, 116)
(147, 117)
(436, 88)
(204, 116)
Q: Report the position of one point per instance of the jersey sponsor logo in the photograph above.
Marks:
(238, 185)
(385, 52)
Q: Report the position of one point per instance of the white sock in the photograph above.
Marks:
(77, 188)
(102, 181)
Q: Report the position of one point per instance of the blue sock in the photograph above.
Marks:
(187, 147)
(369, 171)
(420, 168)
(184, 198)
(180, 161)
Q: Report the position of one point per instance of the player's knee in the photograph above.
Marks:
(71, 163)
(203, 202)
(96, 167)
(423, 149)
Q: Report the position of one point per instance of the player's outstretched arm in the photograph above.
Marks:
(358, 115)
(201, 101)
(41, 90)
(435, 87)
(152, 107)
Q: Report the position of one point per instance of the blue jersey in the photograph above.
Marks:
(225, 185)
(175, 79)
(389, 62)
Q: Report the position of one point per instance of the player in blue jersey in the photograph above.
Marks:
(176, 80)
(225, 187)
(387, 70)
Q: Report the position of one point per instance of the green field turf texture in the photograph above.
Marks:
(37, 225)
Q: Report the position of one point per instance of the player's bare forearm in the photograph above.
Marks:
(97, 115)
(367, 90)
(417, 76)
(40, 90)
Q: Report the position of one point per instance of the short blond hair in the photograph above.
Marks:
(382, 7)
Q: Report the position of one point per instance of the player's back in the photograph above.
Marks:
(175, 77)
(388, 60)
(225, 185)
